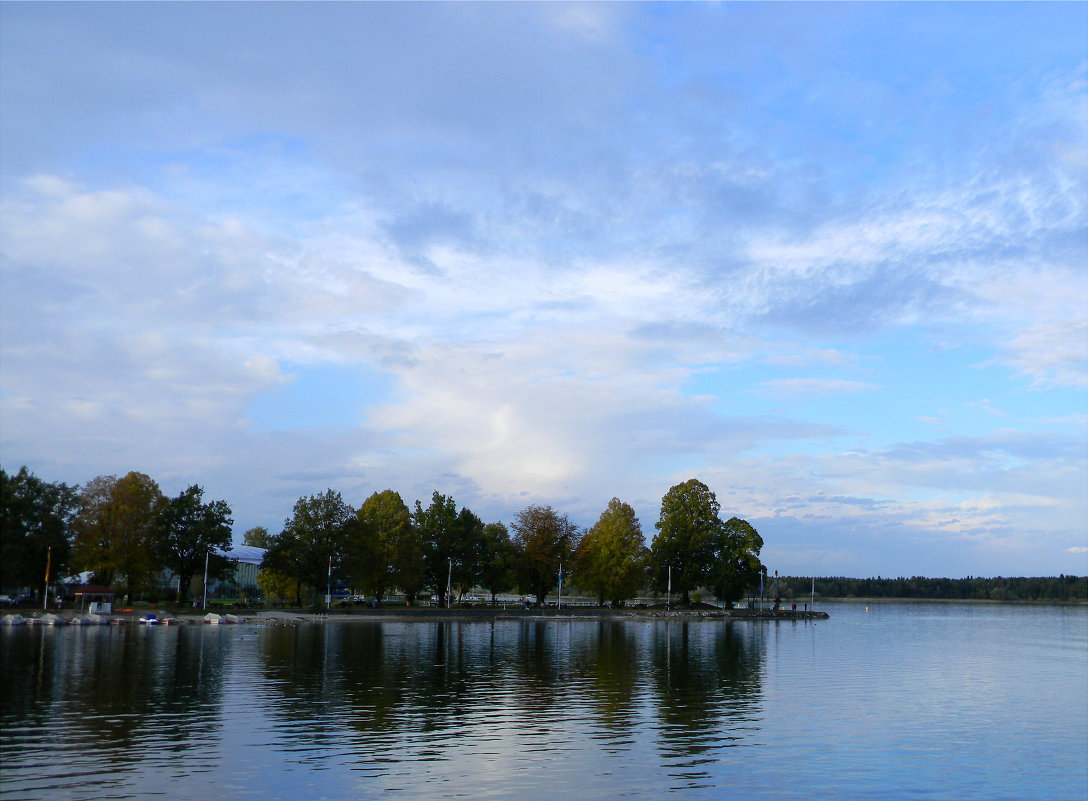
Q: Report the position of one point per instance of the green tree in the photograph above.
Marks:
(543, 539)
(278, 587)
(378, 539)
(498, 570)
(189, 530)
(35, 528)
(437, 526)
(736, 566)
(688, 540)
(312, 541)
(257, 537)
(612, 557)
(469, 551)
(116, 529)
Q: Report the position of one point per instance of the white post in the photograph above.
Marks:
(328, 587)
(449, 585)
(205, 602)
(560, 606)
(668, 596)
(45, 592)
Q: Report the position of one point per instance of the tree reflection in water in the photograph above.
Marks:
(706, 677)
(114, 690)
(415, 687)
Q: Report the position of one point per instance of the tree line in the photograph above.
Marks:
(444, 551)
(126, 532)
(1052, 589)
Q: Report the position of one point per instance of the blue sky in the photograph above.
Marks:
(828, 258)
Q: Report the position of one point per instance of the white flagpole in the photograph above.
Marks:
(668, 597)
(449, 585)
(328, 587)
(205, 602)
(560, 585)
(45, 592)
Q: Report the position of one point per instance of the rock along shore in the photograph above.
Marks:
(572, 613)
(425, 614)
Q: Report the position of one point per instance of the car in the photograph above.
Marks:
(7, 600)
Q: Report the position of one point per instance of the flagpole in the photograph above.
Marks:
(205, 602)
(328, 587)
(668, 596)
(48, 563)
(560, 606)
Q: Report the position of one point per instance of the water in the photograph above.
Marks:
(912, 701)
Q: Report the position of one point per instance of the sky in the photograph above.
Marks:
(829, 259)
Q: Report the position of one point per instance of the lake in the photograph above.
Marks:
(910, 701)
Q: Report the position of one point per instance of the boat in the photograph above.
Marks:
(213, 619)
(48, 619)
(232, 619)
(13, 620)
(150, 619)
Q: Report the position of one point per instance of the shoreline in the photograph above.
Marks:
(424, 615)
(409, 615)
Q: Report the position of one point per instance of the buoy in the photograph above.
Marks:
(866, 608)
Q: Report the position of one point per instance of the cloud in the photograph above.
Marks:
(530, 230)
(811, 387)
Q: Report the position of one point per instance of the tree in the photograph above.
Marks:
(543, 539)
(736, 566)
(612, 557)
(380, 551)
(498, 569)
(408, 565)
(688, 540)
(437, 526)
(35, 528)
(257, 537)
(312, 541)
(276, 586)
(188, 531)
(115, 530)
(469, 551)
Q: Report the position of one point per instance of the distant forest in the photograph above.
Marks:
(1063, 589)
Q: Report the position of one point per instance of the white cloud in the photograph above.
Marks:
(811, 387)
(540, 225)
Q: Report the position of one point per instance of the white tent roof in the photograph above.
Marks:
(247, 554)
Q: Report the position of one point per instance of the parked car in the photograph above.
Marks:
(7, 600)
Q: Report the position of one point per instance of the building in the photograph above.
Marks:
(247, 561)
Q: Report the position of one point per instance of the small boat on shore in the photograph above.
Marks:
(219, 620)
(13, 620)
(89, 620)
(150, 619)
(48, 619)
